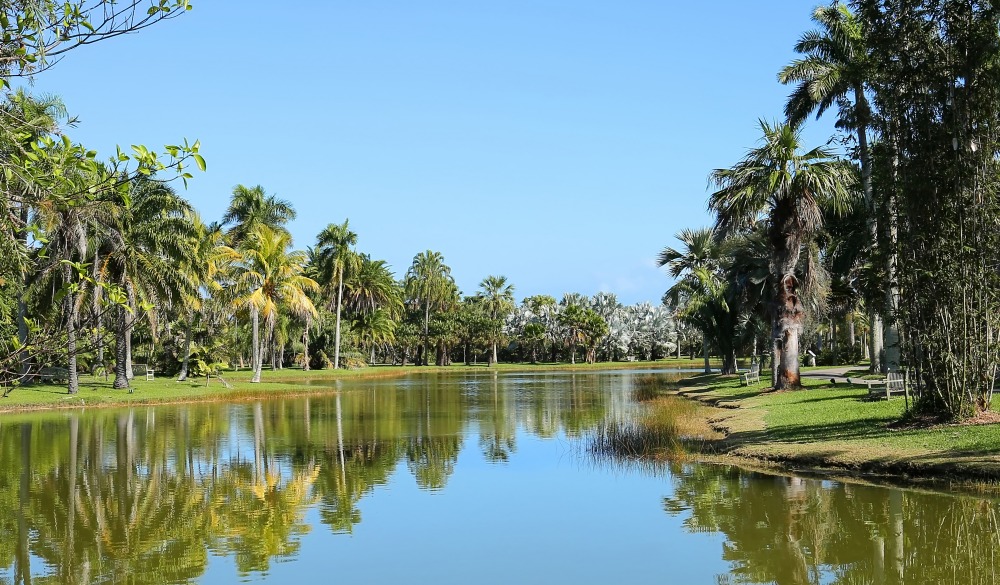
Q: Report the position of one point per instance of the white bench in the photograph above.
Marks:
(138, 369)
(752, 376)
(894, 384)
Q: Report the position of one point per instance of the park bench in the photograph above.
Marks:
(894, 384)
(54, 375)
(144, 369)
(751, 376)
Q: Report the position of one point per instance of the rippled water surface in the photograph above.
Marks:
(460, 478)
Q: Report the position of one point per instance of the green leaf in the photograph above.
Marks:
(200, 160)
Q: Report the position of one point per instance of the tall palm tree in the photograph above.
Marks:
(694, 267)
(429, 284)
(267, 278)
(147, 240)
(784, 188)
(836, 69)
(66, 226)
(208, 258)
(334, 248)
(498, 300)
(250, 208)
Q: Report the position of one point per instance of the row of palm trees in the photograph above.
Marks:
(899, 235)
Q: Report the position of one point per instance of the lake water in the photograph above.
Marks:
(468, 479)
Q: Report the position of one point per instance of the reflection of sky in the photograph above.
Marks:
(545, 517)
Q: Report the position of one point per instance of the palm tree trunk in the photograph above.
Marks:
(121, 354)
(73, 386)
(427, 318)
(789, 320)
(255, 351)
(890, 333)
(864, 154)
(493, 356)
(305, 345)
(22, 305)
(336, 343)
(704, 353)
(187, 350)
(96, 308)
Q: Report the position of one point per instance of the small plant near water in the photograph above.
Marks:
(649, 387)
(671, 428)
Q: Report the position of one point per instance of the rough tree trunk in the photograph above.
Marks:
(187, 351)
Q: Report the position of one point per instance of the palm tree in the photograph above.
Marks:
(66, 227)
(373, 287)
(147, 241)
(335, 257)
(694, 266)
(429, 283)
(250, 208)
(498, 300)
(836, 70)
(267, 278)
(208, 258)
(777, 184)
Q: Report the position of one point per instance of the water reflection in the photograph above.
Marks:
(159, 495)
(792, 530)
(147, 495)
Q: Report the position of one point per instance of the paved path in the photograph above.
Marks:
(837, 374)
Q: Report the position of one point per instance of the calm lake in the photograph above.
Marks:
(454, 478)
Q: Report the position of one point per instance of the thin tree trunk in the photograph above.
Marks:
(255, 351)
(493, 356)
(96, 308)
(427, 318)
(336, 343)
(23, 360)
(187, 350)
(121, 353)
(305, 344)
(890, 335)
(73, 385)
(864, 153)
(704, 353)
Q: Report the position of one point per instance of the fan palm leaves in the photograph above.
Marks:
(836, 69)
(784, 189)
(498, 301)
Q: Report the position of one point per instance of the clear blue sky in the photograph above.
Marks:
(561, 144)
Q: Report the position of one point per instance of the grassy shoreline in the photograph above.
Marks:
(829, 428)
(96, 392)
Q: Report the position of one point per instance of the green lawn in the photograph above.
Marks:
(836, 425)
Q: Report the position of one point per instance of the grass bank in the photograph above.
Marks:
(97, 392)
(829, 426)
